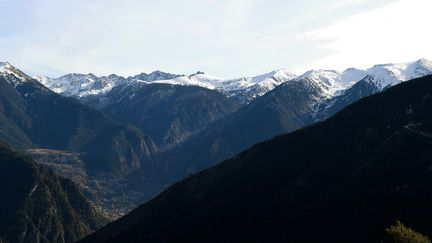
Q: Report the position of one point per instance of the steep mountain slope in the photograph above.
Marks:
(34, 116)
(168, 113)
(288, 107)
(13, 114)
(38, 206)
(378, 78)
(196, 123)
(343, 180)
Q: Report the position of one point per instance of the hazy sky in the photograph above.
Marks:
(227, 38)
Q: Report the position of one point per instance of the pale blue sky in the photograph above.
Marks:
(227, 38)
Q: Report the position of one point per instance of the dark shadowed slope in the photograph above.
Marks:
(343, 180)
(167, 113)
(284, 109)
(38, 206)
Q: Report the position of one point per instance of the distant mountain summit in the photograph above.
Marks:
(375, 79)
(12, 75)
(385, 75)
(154, 76)
(83, 85)
(244, 89)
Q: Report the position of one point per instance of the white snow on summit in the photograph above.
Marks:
(249, 87)
(80, 85)
(212, 82)
(382, 76)
(332, 82)
(267, 81)
(385, 75)
(351, 76)
(13, 75)
(199, 79)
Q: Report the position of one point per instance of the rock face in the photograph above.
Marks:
(38, 206)
(342, 180)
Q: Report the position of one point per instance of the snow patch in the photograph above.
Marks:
(386, 75)
(12, 74)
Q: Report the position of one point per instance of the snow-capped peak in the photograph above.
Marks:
(154, 76)
(13, 75)
(198, 79)
(42, 79)
(277, 75)
(4, 66)
(385, 75)
(326, 80)
(247, 87)
(351, 76)
(422, 62)
(80, 85)
(270, 80)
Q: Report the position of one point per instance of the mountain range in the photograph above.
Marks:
(342, 180)
(122, 141)
(192, 122)
(243, 89)
(294, 104)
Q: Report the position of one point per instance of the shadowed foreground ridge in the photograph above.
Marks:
(343, 180)
(38, 206)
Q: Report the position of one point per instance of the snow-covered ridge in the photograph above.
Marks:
(80, 85)
(331, 82)
(245, 89)
(212, 82)
(199, 79)
(385, 75)
(13, 75)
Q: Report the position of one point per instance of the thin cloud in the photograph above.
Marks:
(225, 38)
(394, 33)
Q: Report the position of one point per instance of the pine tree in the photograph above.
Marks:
(399, 233)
